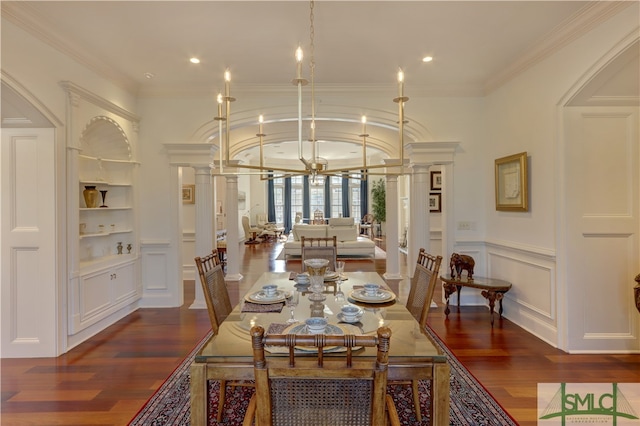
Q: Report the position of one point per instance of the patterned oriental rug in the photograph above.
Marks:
(471, 404)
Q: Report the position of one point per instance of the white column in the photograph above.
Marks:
(393, 255)
(419, 235)
(448, 222)
(233, 236)
(205, 241)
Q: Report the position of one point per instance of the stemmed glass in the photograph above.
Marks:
(291, 300)
(339, 271)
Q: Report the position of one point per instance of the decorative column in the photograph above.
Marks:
(423, 155)
(393, 255)
(205, 241)
(233, 235)
(419, 223)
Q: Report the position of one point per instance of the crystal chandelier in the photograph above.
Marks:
(316, 167)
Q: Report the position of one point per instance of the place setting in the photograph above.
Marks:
(371, 293)
(268, 299)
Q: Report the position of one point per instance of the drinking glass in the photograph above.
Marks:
(291, 301)
(339, 270)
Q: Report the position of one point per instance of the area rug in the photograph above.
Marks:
(471, 403)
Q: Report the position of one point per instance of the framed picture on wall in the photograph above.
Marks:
(511, 183)
(434, 202)
(188, 194)
(436, 181)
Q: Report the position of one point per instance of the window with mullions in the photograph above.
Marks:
(316, 198)
(316, 194)
(354, 200)
(296, 197)
(336, 196)
(278, 192)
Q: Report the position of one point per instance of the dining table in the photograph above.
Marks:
(413, 354)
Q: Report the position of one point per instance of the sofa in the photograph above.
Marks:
(350, 242)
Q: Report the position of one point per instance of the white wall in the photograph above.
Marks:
(37, 69)
(522, 115)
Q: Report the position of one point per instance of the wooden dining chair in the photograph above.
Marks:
(319, 248)
(423, 285)
(219, 306)
(214, 288)
(313, 389)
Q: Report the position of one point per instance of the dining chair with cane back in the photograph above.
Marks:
(421, 291)
(319, 248)
(219, 305)
(313, 389)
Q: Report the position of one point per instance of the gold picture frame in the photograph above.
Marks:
(188, 194)
(512, 183)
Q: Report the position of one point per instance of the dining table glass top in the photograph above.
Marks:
(233, 343)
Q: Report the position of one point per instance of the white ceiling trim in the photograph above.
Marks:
(581, 23)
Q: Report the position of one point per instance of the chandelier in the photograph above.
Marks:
(316, 167)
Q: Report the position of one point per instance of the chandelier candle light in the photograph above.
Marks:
(315, 167)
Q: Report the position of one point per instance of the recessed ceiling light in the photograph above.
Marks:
(194, 60)
(149, 75)
(427, 59)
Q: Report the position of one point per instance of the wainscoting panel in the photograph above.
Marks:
(158, 288)
(531, 302)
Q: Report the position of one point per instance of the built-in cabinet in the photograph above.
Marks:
(104, 259)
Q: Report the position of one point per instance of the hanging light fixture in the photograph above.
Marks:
(316, 167)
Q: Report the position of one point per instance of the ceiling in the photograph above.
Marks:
(476, 45)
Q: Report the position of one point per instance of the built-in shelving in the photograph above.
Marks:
(107, 257)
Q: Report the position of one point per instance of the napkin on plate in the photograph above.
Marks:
(260, 308)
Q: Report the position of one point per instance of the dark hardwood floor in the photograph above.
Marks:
(106, 380)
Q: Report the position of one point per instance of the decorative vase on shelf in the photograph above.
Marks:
(104, 194)
(91, 195)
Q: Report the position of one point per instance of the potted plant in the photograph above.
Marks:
(378, 204)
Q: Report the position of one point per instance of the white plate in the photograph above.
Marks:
(261, 297)
(302, 329)
(357, 319)
(382, 296)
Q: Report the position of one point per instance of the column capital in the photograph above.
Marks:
(190, 154)
(394, 168)
(430, 153)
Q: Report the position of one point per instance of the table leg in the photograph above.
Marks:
(500, 299)
(449, 289)
(492, 296)
(459, 287)
(198, 390)
(440, 394)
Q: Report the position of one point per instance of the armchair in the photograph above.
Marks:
(250, 233)
(366, 226)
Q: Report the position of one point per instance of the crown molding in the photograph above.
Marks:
(579, 24)
(24, 16)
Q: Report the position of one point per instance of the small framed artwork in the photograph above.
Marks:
(436, 181)
(188, 194)
(511, 183)
(435, 199)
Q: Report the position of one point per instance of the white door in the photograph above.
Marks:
(602, 216)
(28, 234)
